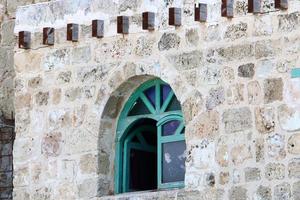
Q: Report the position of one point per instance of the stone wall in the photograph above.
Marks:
(232, 77)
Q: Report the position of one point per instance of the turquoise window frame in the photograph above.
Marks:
(125, 123)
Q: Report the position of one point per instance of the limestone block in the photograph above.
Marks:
(235, 94)
(209, 75)
(288, 22)
(275, 171)
(73, 94)
(206, 125)
(236, 31)
(228, 74)
(186, 60)
(265, 68)
(259, 150)
(42, 98)
(263, 25)
(273, 90)
(252, 174)
(81, 55)
(237, 119)
(294, 168)
(169, 41)
(21, 177)
(56, 96)
(267, 48)
(236, 52)
(77, 140)
(263, 193)
(103, 164)
(289, 118)
(52, 144)
(64, 77)
(294, 144)
(88, 164)
(265, 119)
(238, 193)
(282, 191)
(42, 193)
(192, 36)
(240, 153)
(7, 38)
(224, 178)
(27, 61)
(88, 188)
(58, 118)
(296, 190)
(35, 82)
(144, 46)
(56, 59)
(255, 95)
(192, 106)
(215, 98)
(246, 70)
(222, 155)
(276, 146)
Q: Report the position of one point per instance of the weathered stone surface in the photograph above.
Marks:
(288, 22)
(216, 97)
(187, 61)
(42, 98)
(246, 70)
(192, 37)
(294, 168)
(222, 155)
(64, 77)
(192, 106)
(57, 59)
(294, 144)
(144, 46)
(276, 146)
(235, 94)
(254, 93)
(289, 118)
(252, 174)
(88, 164)
(237, 119)
(236, 31)
(282, 191)
(240, 153)
(266, 48)
(35, 82)
(263, 193)
(265, 119)
(236, 52)
(206, 125)
(273, 90)
(224, 178)
(52, 144)
(259, 150)
(238, 193)
(168, 41)
(275, 171)
(81, 55)
(296, 190)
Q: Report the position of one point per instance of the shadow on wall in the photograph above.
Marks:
(7, 136)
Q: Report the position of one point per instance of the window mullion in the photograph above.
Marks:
(167, 101)
(147, 103)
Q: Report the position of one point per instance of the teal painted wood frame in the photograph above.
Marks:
(126, 122)
(178, 136)
(295, 73)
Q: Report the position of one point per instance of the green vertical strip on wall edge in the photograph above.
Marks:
(295, 73)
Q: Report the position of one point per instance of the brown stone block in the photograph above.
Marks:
(24, 39)
(281, 4)
(73, 32)
(48, 36)
(98, 28)
(201, 12)
(148, 21)
(227, 8)
(175, 16)
(123, 24)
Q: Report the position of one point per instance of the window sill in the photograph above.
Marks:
(164, 194)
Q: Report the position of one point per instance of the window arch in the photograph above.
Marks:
(150, 144)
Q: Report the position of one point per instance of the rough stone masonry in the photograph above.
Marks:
(232, 77)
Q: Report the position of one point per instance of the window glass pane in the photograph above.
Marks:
(174, 105)
(150, 94)
(170, 127)
(139, 108)
(165, 90)
(173, 161)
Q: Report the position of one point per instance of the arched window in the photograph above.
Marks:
(150, 150)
